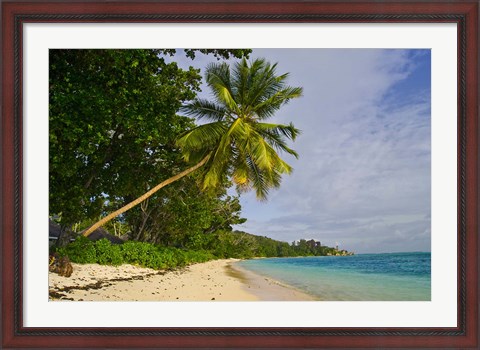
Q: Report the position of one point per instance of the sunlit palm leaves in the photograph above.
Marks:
(237, 141)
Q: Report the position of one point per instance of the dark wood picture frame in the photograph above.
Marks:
(463, 13)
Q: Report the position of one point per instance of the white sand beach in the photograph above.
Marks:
(217, 280)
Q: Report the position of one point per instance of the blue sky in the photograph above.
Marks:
(363, 176)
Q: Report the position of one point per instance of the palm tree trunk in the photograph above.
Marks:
(143, 197)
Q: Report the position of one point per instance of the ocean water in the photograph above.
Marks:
(372, 277)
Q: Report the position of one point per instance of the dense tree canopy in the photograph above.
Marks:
(112, 118)
(113, 121)
(115, 132)
(237, 144)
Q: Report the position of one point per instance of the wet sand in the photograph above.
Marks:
(267, 289)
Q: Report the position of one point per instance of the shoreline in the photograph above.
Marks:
(266, 288)
(215, 280)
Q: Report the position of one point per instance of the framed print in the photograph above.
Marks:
(382, 207)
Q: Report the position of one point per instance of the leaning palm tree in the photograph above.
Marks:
(236, 142)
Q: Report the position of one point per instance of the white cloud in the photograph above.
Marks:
(364, 173)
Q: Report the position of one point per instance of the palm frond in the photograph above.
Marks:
(262, 83)
(267, 108)
(201, 108)
(239, 144)
(266, 157)
(277, 142)
(195, 156)
(289, 131)
(218, 79)
(240, 174)
(220, 157)
(258, 180)
(240, 78)
(265, 167)
(201, 139)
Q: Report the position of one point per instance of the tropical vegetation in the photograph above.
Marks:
(84, 251)
(237, 143)
(124, 124)
(220, 245)
(113, 123)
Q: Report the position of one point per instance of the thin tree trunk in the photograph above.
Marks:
(145, 217)
(143, 197)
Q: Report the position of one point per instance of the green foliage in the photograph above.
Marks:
(242, 245)
(115, 133)
(219, 53)
(313, 248)
(138, 254)
(146, 254)
(238, 244)
(107, 253)
(112, 125)
(237, 140)
(220, 244)
(182, 214)
(112, 117)
(84, 251)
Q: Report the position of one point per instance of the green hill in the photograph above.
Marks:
(238, 244)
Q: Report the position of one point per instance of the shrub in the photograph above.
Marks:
(108, 253)
(81, 251)
(144, 254)
(199, 256)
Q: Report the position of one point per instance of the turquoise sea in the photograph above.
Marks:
(372, 277)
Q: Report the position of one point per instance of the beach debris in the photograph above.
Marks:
(55, 295)
(60, 264)
(103, 283)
